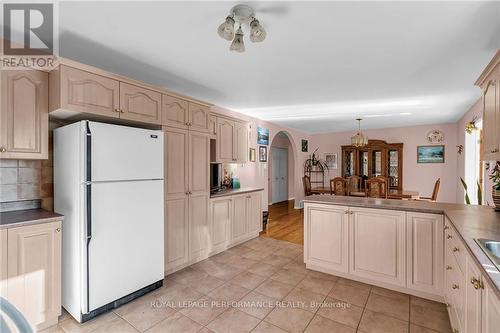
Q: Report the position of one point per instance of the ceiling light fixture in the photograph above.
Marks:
(359, 140)
(241, 14)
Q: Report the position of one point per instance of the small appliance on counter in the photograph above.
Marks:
(215, 177)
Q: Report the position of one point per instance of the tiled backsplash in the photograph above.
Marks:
(26, 180)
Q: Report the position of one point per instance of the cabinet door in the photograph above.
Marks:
(3, 263)
(473, 289)
(212, 126)
(198, 117)
(425, 252)
(240, 144)
(490, 310)
(198, 194)
(199, 163)
(225, 140)
(24, 114)
(220, 221)
(378, 245)
(176, 233)
(174, 112)
(254, 212)
(239, 221)
(198, 226)
(490, 120)
(139, 104)
(34, 272)
(326, 237)
(176, 196)
(85, 92)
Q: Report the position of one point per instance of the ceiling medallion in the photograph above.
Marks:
(241, 14)
(359, 140)
(435, 136)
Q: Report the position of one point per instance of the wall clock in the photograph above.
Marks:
(435, 136)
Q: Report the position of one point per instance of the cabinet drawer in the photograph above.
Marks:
(455, 245)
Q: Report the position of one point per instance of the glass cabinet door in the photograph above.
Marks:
(376, 163)
(349, 164)
(393, 168)
(363, 163)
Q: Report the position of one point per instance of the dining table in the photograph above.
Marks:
(392, 194)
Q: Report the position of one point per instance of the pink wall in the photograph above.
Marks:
(255, 174)
(417, 177)
(282, 141)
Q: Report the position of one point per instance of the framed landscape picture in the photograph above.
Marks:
(262, 154)
(430, 154)
(263, 136)
(331, 160)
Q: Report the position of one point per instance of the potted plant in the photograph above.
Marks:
(495, 178)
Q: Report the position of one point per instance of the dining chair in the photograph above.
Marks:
(338, 186)
(435, 192)
(306, 182)
(354, 186)
(376, 188)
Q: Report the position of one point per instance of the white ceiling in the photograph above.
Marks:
(322, 65)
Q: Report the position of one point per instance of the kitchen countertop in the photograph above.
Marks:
(471, 222)
(233, 191)
(25, 217)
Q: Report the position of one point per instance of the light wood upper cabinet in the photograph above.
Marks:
(212, 126)
(140, 104)
(34, 272)
(176, 162)
(225, 139)
(24, 114)
(199, 162)
(240, 144)
(326, 236)
(198, 117)
(175, 112)
(378, 245)
(424, 250)
(489, 81)
(81, 91)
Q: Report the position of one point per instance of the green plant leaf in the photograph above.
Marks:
(464, 184)
(479, 194)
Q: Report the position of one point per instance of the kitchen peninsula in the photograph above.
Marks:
(426, 249)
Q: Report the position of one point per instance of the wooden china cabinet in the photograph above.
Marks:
(377, 158)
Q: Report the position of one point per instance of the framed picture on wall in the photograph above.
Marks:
(262, 154)
(263, 136)
(251, 155)
(430, 154)
(331, 160)
(304, 145)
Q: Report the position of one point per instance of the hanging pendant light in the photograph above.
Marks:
(359, 140)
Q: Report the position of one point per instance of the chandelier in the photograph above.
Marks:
(359, 140)
(241, 14)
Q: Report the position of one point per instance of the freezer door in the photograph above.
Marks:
(125, 153)
(125, 252)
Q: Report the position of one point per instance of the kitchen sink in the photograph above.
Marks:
(491, 248)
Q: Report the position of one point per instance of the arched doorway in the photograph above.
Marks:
(285, 222)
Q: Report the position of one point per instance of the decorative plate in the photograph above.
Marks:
(435, 136)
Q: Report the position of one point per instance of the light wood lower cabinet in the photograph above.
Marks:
(424, 249)
(33, 262)
(378, 244)
(234, 219)
(3, 263)
(490, 311)
(326, 234)
(24, 114)
(473, 286)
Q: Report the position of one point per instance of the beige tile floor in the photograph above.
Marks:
(266, 288)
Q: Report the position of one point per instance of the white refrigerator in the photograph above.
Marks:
(108, 184)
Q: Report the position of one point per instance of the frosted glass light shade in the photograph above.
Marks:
(359, 140)
(238, 45)
(257, 32)
(226, 29)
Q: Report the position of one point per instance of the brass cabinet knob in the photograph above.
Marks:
(122, 111)
(449, 237)
(58, 230)
(346, 212)
(446, 227)
(476, 283)
(448, 268)
(455, 330)
(2, 150)
(117, 110)
(456, 249)
(455, 286)
(447, 305)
